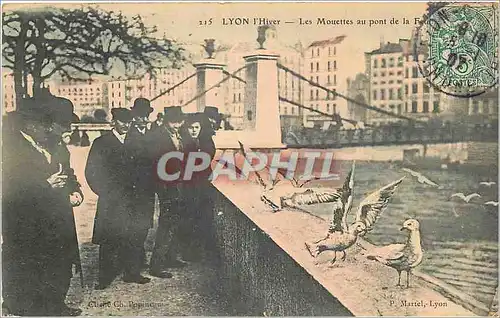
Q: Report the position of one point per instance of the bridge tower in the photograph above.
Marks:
(261, 123)
(209, 72)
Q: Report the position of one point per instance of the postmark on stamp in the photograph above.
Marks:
(457, 48)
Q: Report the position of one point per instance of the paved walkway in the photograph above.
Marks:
(190, 292)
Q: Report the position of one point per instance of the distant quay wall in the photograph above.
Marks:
(472, 152)
(475, 153)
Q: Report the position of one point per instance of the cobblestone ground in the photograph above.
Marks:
(191, 292)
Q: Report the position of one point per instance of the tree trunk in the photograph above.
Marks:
(25, 81)
(19, 61)
(41, 53)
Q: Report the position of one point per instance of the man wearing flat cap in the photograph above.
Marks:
(39, 236)
(142, 178)
(108, 175)
(167, 139)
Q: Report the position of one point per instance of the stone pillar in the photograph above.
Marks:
(261, 111)
(208, 74)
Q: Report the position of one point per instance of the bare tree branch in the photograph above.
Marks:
(78, 43)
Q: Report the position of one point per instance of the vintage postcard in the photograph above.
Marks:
(250, 159)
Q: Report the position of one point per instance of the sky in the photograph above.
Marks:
(181, 21)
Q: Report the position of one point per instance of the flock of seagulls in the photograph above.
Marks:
(278, 195)
(465, 197)
(403, 257)
(340, 236)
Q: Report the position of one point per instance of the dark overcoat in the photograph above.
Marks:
(160, 143)
(37, 219)
(108, 175)
(38, 227)
(200, 193)
(142, 176)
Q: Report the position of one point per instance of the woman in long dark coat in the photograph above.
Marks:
(198, 238)
(198, 234)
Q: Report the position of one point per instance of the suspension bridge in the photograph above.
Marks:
(261, 87)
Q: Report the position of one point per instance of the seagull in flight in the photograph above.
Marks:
(464, 197)
(420, 177)
(493, 203)
(340, 236)
(487, 184)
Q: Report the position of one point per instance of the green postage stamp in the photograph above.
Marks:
(461, 48)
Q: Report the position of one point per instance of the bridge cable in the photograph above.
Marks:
(174, 87)
(283, 99)
(232, 75)
(213, 86)
(286, 69)
(351, 121)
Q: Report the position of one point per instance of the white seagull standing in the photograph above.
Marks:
(401, 257)
(420, 177)
(464, 197)
(340, 237)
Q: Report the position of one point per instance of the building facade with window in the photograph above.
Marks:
(397, 86)
(157, 88)
(86, 96)
(323, 65)
(422, 100)
(9, 94)
(385, 71)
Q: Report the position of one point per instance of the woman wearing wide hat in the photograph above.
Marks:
(197, 220)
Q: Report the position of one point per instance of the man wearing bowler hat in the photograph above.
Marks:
(39, 236)
(63, 108)
(213, 116)
(167, 139)
(108, 175)
(140, 113)
(143, 196)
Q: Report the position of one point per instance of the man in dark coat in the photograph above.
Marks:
(108, 175)
(39, 236)
(142, 178)
(62, 109)
(170, 193)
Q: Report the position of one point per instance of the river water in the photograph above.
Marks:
(460, 240)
